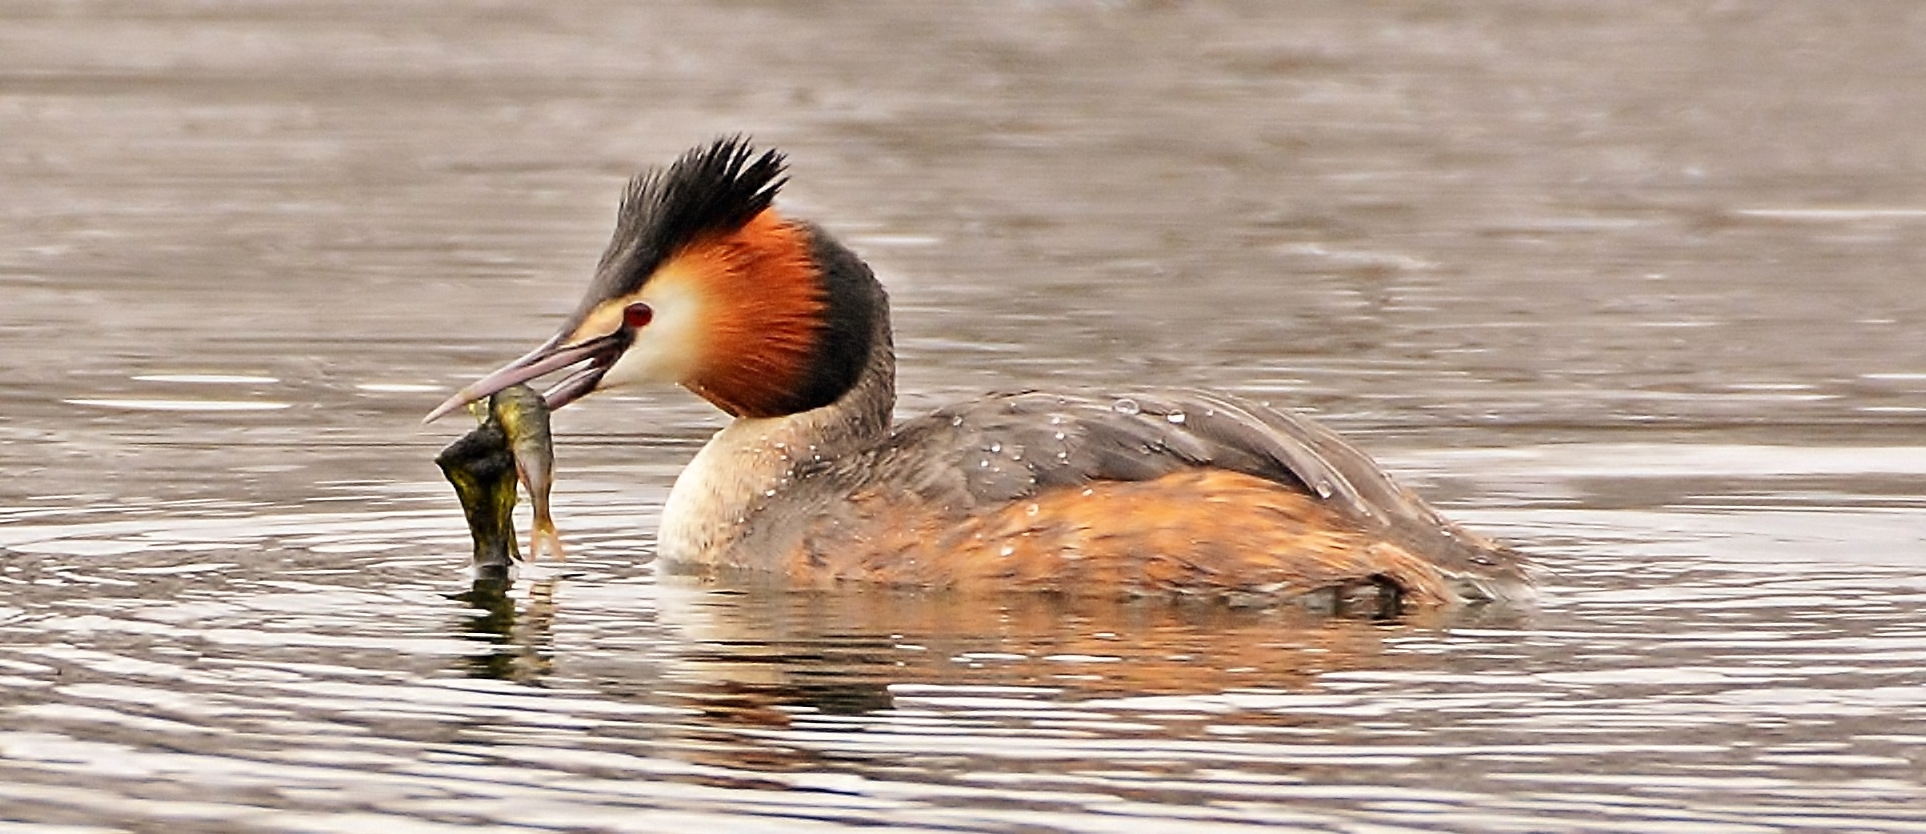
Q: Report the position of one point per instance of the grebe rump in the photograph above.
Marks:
(1132, 493)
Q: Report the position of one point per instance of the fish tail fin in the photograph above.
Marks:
(543, 533)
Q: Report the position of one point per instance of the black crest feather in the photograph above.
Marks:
(709, 190)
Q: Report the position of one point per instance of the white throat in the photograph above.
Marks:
(741, 484)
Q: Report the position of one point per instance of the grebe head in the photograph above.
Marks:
(705, 285)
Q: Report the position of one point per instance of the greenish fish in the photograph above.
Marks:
(511, 443)
(523, 415)
(482, 469)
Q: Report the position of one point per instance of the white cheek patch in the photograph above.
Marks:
(669, 348)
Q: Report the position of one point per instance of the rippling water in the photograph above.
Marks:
(1630, 285)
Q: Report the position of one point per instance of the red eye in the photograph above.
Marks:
(637, 316)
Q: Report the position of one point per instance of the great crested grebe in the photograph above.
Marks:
(773, 321)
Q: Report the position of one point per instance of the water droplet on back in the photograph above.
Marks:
(1126, 406)
(1324, 489)
(1176, 417)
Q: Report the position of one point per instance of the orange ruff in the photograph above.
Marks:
(764, 317)
(1201, 531)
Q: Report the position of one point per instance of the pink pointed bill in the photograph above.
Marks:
(599, 353)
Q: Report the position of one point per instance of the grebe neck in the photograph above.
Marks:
(739, 485)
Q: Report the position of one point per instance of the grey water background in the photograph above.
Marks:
(1631, 285)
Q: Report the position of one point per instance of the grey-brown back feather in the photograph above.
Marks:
(1009, 446)
(979, 456)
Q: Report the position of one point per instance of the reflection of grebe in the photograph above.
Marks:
(753, 658)
(779, 325)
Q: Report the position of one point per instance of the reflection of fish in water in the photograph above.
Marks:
(513, 440)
